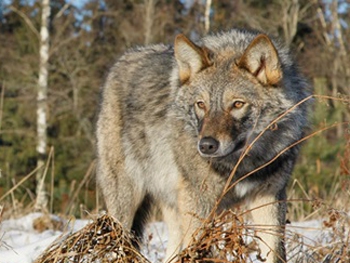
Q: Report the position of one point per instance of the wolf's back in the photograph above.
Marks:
(140, 81)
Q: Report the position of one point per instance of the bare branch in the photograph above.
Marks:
(149, 19)
(324, 26)
(290, 19)
(64, 8)
(27, 20)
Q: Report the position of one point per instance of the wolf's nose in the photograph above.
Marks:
(208, 145)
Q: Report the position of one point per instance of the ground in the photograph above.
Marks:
(20, 242)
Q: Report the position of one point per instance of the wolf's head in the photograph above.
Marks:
(229, 92)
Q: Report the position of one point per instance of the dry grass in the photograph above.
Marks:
(222, 239)
(104, 240)
(331, 246)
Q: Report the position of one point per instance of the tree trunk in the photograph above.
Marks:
(41, 199)
(207, 16)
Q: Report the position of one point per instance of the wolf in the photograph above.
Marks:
(176, 120)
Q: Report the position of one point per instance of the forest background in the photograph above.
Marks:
(86, 38)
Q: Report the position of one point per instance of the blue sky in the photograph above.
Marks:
(78, 3)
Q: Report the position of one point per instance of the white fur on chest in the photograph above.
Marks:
(244, 188)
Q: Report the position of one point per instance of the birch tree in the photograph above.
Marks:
(41, 200)
(207, 16)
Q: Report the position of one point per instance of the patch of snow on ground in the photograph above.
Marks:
(19, 242)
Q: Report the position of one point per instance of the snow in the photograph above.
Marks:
(312, 231)
(20, 242)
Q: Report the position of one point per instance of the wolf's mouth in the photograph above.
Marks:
(239, 145)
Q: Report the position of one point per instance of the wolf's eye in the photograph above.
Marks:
(238, 104)
(200, 104)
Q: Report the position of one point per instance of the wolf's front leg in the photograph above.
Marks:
(175, 236)
(195, 205)
(268, 213)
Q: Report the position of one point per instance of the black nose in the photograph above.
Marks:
(208, 145)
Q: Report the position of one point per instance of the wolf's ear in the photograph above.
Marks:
(261, 59)
(189, 57)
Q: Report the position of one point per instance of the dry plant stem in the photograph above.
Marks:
(2, 105)
(280, 153)
(42, 180)
(27, 20)
(86, 177)
(311, 214)
(274, 202)
(97, 194)
(1, 210)
(52, 179)
(47, 163)
(20, 182)
(213, 260)
(13, 199)
(296, 181)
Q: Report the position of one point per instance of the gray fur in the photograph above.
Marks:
(149, 128)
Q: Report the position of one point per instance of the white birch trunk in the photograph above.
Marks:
(207, 16)
(41, 200)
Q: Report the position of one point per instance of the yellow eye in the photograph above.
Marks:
(238, 104)
(200, 104)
